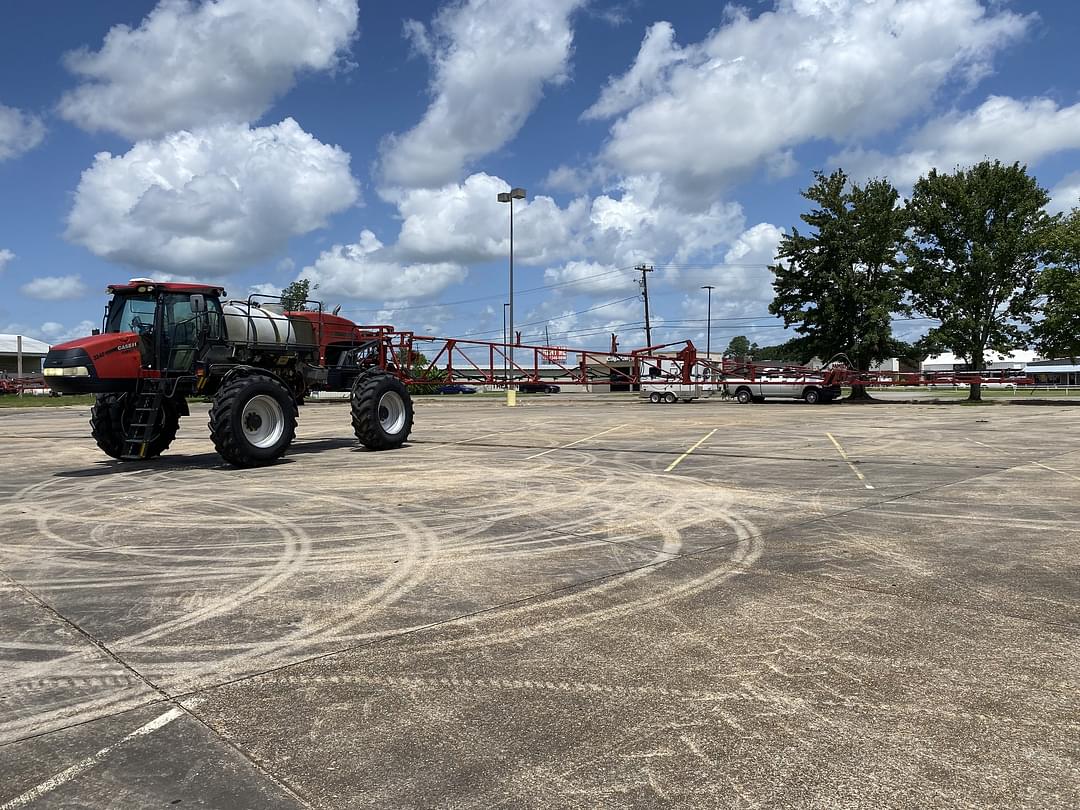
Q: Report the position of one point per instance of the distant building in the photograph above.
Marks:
(1016, 361)
(1054, 372)
(33, 354)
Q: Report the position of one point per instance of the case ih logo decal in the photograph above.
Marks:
(123, 347)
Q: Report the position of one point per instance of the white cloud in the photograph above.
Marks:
(6, 257)
(465, 222)
(19, 132)
(1001, 128)
(367, 270)
(55, 288)
(54, 333)
(213, 200)
(705, 114)
(192, 64)
(591, 278)
(1065, 196)
(645, 77)
(491, 61)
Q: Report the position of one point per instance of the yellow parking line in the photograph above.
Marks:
(698, 444)
(579, 441)
(844, 456)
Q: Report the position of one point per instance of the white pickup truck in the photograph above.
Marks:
(810, 387)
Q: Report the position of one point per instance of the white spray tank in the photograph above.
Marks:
(266, 324)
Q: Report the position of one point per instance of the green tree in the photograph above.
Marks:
(1058, 333)
(420, 368)
(978, 237)
(738, 348)
(780, 353)
(842, 281)
(295, 294)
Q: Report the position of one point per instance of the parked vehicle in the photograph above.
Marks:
(164, 341)
(671, 393)
(538, 388)
(778, 386)
(456, 388)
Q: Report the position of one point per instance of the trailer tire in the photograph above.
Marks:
(382, 411)
(252, 420)
(110, 415)
(744, 396)
(670, 398)
(812, 396)
(654, 398)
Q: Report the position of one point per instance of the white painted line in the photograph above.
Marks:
(844, 456)
(697, 444)
(563, 447)
(53, 782)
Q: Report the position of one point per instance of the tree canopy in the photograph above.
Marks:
(841, 282)
(740, 347)
(295, 294)
(977, 239)
(1058, 333)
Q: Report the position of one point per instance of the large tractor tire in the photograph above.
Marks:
(110, 420)
(382, 411)
(252, 420)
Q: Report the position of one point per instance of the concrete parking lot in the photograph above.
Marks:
(583, 602)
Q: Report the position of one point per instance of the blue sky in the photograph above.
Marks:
(252, 142)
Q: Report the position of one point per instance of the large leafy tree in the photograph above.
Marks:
(978, 237)
(294, 296)
(839, 284)
(1058, 333)
(739, 347)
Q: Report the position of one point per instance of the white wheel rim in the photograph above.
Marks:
(392, 412)
(263, 421)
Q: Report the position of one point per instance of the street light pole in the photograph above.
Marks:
(505, 374)
(509, 197)
(708, 323)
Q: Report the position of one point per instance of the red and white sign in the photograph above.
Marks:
(554, 354)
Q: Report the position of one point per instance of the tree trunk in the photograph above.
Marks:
(975, 389)
(859, 394)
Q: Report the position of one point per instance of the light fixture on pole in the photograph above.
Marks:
(509, 197)
(708, 323)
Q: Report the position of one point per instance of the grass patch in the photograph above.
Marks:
(32, 401)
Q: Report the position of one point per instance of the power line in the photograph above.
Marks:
(557, 285)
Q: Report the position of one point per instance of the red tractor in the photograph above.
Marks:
(164, 342)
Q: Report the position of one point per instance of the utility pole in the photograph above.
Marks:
(645, 268)
(708, 325)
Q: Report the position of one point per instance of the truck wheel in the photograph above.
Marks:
(252, 420)
(670, 398)
(654, 397)
(812, 396)
(382, 411)
(744, 396)
(110, 420)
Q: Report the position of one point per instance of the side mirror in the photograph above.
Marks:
(95, 331)
(198, 303)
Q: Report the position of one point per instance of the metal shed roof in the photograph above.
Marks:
(30, 346)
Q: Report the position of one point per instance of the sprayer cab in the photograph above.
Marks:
(149, 329)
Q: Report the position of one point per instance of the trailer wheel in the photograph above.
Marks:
(744, 396)
(252, 420)
(670, 398)
(812, 396)
(382, 411)
(654, 397)
(110, 420)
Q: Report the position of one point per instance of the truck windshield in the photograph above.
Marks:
(131, 313)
